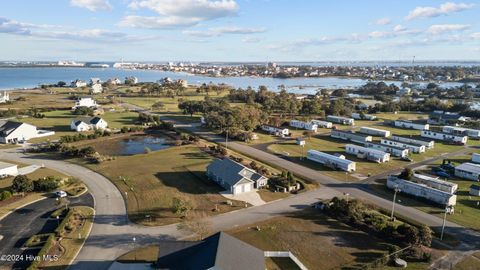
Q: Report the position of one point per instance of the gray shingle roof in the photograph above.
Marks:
(219, 251)
(7, 127)
(232, 172)
(87, 120)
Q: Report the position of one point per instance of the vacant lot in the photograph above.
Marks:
(470, 263)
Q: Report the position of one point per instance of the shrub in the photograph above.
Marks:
(21, 183)
(45, 184)
(4, 195)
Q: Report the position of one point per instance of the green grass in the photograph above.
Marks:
(148, 254)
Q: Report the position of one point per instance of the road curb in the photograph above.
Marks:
(26, 204)
(86, 238)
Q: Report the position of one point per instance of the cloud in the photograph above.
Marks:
(179, 13)
(475, 35)
(437, 29)
(13, 27)
(251, 40)
(383, 21)
(397, 30)
(219, 31)
(92, 5)
(444, 9)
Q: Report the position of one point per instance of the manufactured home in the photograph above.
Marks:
(446, 137)
(411, 125)
(412, 147)
(375, 131)
(429, 144)
(359, 116)
(331, 161)
(322, 124)
(277, 131)
(472, 133)
(468, 171)
(476, 158)
(434, 182)
(350, 136)
(394, 151)
(304, 125)
(341, 120)
(421, 190)
(367, 153)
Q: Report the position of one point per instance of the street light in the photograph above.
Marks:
(134, 252)
(394, 198)
(346, 195)
(448, 209)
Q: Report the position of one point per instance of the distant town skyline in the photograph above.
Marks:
(239, 30)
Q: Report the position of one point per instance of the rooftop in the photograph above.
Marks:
(469, 167)
(4, 165)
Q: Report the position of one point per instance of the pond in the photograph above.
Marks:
(132, 145)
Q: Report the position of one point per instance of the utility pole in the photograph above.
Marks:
(393, 202)
(447, 209)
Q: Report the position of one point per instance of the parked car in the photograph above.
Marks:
(60, 194)
(409, 159)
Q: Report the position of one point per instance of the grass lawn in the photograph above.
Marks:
(469, 263)
(38, 99)
(148, 254)
(153, 180)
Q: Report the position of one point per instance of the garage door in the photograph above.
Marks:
(246, 188)
(237, 189)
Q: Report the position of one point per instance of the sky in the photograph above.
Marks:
(239, 30)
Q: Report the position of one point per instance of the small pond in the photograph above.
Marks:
(132, 145)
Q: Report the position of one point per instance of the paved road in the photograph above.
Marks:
(34, 219)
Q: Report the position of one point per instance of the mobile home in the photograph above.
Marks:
(341, 120)
(460, 139)
(411, 125)
(472, 133)
(413, 148)
(468, 170)
(434, 182)
(476, 158)
(429, 144)
(375, 131)
(421, 190)
(322, 124)
(277, 131)
(358, 116)
(304, 125)
(331, 161)
(350, 136)
(367, 153)
(394, 151)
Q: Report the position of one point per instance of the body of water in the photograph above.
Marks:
(29, 77)
(132, 145)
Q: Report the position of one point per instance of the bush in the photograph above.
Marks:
(83, 111)
(21, 183)
(4, 195)
(45, 184)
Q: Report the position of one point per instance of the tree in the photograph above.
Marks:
(182, 205)
(425, 235)
(83, 111)
(21, 183)
(406, 174)
(158, 105)
(61, 84)
(45, 184)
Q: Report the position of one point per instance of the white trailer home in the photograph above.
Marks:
(394, 151)
(358, 116)
(458, 139)
(350, 136)
(476, 158)
(421, 190)
(411, 125)
(434, 182)
(366, 153)
(375, 131)
(341, 120)
(322, 124)
(277, 131)
(468, 171)
(472, 133)
(304, 125)
(331, 161)
(429, 144)
(413, 148)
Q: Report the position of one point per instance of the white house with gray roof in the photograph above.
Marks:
(88, 123)
(468, 170)
(235, 177)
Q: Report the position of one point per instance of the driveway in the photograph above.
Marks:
(28, 169)
(252, 197)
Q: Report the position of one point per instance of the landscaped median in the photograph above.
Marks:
(60, 247)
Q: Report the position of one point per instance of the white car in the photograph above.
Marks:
(60, 194)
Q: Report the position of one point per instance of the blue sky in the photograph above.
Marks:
(239, 30)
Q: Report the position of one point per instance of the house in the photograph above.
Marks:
(8, 169)
(114, 81)
(392, 150)
(78, 83)
(474, 190)
(95, 81)
(277, 131)
(182, 82)
(366, 153)
(235, 177)
(472, 133)
(375, 131)
(131, 80)
(405, 91)
(475, 158)
(359, 116)
(219, 251)
(421, 190)
(15, 132)
(429, 144)
(341, 120)
(331, 161)
(85, 102)
(414, 148)
(300, 141)
(411, 125)
(304, 125)
(88, 123)
(350, 136)
(96, 88)
(434, 182)
(468, 171)
(4, 97)
(322, 124)
(446, 137)
(445, 118)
